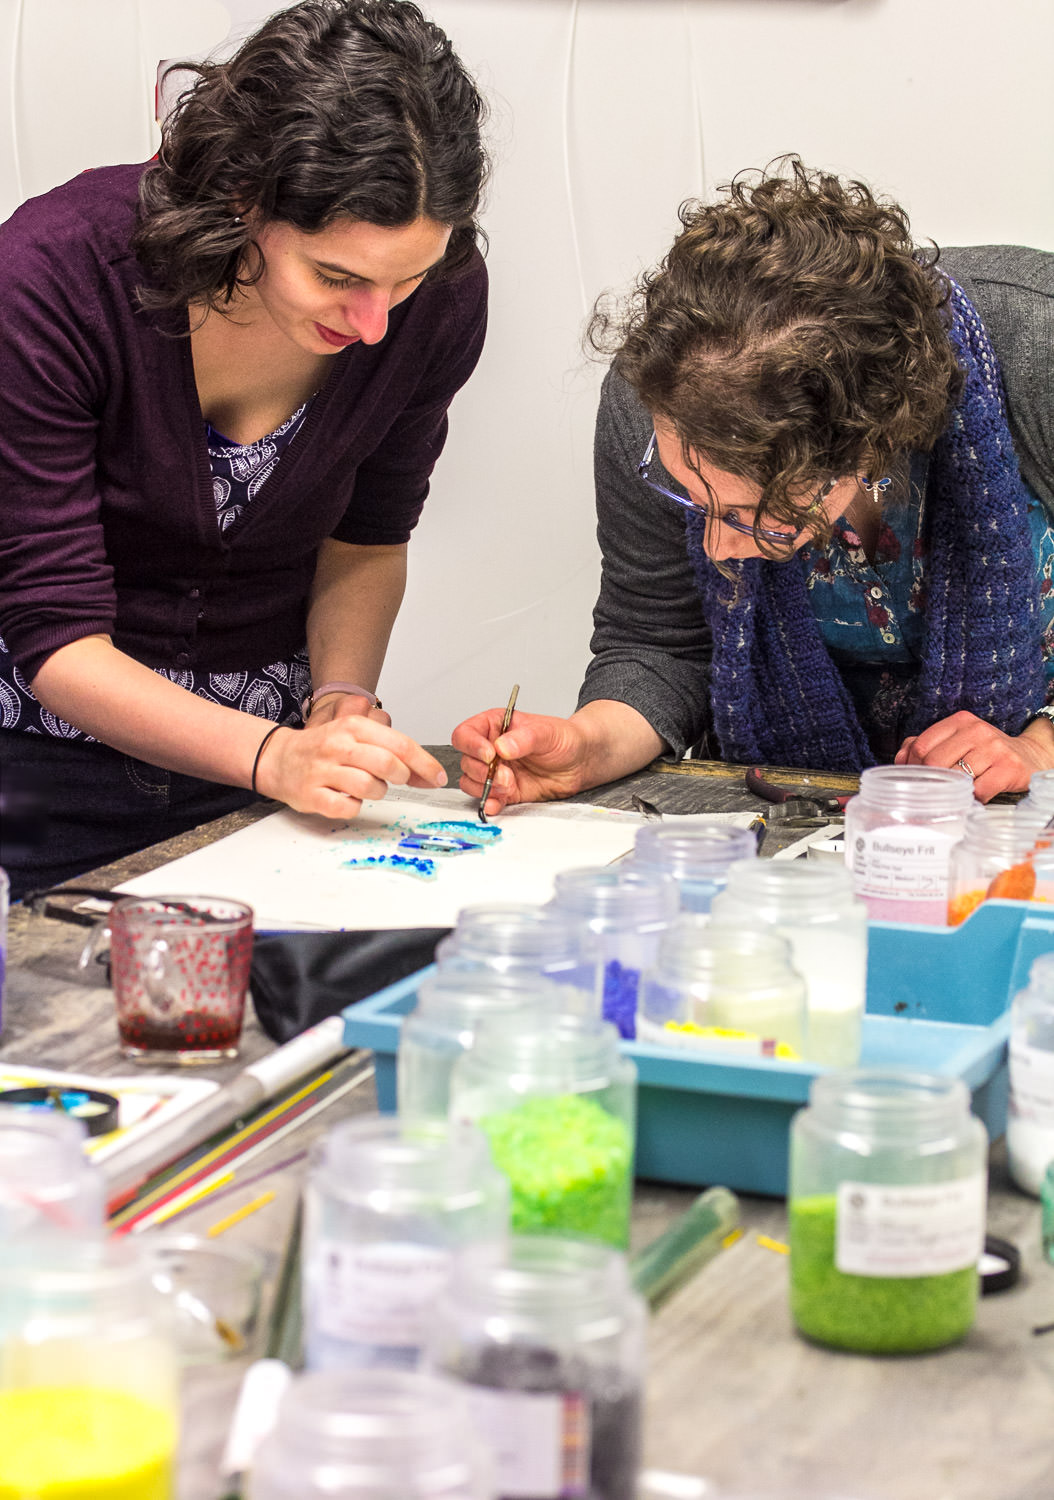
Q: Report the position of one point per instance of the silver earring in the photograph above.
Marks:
(238, 220)
(878, 487)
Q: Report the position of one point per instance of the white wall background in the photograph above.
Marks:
(606, 114)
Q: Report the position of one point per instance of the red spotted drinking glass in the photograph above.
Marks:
(180, 972)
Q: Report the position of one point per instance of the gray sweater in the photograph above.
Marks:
(651, 644)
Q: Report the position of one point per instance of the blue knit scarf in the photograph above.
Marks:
(777, 696)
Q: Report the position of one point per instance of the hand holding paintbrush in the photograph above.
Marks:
(544, 757)
(506, 720)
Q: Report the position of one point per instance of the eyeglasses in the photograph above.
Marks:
(784, 538)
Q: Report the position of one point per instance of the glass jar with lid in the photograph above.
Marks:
(89, 1394)
(620, 914)
(697, 857)
(993, 858)
(886, 1204)
(372, 1435)
(1030, 1118)
(518, 938)
(1041, 793)
(556, 1099)
(386, 1202)
(547, 1341)
(450, 1005)
(50, 1191)
(725, 986)
(811, 904)
(899, 832)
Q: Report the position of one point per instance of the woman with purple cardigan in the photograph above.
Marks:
(224, 382)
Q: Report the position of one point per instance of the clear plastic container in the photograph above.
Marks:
(387, 1201)
(899, 834)
(724, 986)
(516, 938)
(450, 1005)
(1041, 793)
(887, 1211)
(557, 1101)
(372, 1435)
(993, 858)
(50, 1192)
(1030, 1120)
(697, 858)
(620, 914)
(88, 1380)
(812, 905)
(548, 1342)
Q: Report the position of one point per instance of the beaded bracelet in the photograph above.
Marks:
(338, 687)
(263, 746)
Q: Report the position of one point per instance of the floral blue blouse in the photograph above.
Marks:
(871, 614)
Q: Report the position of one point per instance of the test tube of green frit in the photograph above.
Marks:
(727, 987)
(620, 915)
(557, 1101)
(887, 1211)
(510, 937)
(449, 1007)
(387, 1202)
(547, 1340)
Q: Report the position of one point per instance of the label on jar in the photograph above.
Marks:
(902, 872)
(925, 1229)
(377, 1293)
(540, 1441)
(1032, 1083)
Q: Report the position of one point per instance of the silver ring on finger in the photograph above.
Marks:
(964, 765)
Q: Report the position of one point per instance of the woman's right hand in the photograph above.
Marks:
(332, 767)
(539, 758)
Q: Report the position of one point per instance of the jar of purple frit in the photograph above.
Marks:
(620, 915)
(546, 1339)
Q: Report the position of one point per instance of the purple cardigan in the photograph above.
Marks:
(107, 520)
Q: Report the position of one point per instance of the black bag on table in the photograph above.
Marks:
(298, 978)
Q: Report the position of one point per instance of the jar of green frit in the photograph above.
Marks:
(887, 1211)
(557, 1101)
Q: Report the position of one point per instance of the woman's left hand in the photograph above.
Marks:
(347, 705)
(997, 762)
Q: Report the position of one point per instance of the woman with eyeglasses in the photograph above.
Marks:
(224, 384)
(825, 490)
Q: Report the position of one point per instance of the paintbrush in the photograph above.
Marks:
(136, 1160)
(506, 720)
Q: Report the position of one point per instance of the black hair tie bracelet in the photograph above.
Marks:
(262, 747)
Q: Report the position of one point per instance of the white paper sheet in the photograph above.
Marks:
(291, 868)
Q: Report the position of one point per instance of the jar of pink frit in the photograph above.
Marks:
(899, 833)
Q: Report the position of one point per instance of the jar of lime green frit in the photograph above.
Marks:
(887, 1209)
(557, 1101)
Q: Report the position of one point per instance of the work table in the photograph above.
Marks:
(733, 1394)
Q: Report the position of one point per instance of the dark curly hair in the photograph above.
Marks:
(332, 108)
(792, 334)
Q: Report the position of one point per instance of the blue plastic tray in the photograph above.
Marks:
(937, 1000)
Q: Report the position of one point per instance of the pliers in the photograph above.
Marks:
(795, 805)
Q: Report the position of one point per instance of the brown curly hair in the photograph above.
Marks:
(792, 334)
